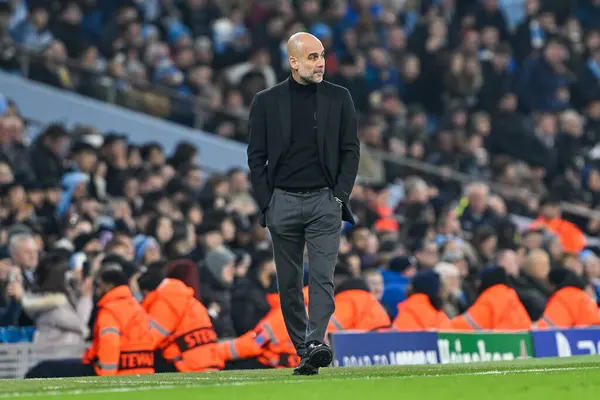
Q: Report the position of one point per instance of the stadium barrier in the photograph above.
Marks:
(17, 359)
(354, 349)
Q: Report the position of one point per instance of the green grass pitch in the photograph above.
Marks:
(543, 379)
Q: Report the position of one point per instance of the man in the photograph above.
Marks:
(396, 278)
(24, 251)
(532, 283)
(303, 161)
(473, 210)
(121, 341)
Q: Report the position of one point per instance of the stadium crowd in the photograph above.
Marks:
(508, 94)
(492, 89)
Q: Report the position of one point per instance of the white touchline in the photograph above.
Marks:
(244, 381)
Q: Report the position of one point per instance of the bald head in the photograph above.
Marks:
(537, 264)
(306, 57)
(298, 41)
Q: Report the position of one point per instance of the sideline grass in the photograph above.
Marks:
(543, 379)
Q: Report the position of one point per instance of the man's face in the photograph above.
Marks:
(87, 161)
(17, 196)
(533, 240)
(40, 18)
(157, 157)
(27, 255)
(194, 179)
(550, 211)
(478, 200)
(428, 256)
(541, 268)
(360, 239)
(36, 197)
(555, 53)
(375, 284)
(310, 64)
(239, 181)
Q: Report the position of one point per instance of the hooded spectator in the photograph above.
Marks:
(217, 275)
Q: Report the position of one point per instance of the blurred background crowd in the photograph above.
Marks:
(500, 91)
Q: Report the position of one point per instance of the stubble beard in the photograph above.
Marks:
(312, 77)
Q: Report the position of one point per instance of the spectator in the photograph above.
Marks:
(24, 252)
(374, 280)
(13, 292)
(216, 277)
(249, 302)
(33, 32)
(591, 263)
(46, 153)
(474, 211)
(60, 312)
(545, 80)
(533, 287)
(396, 279)
(454, 299)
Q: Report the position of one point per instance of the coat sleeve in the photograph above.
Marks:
(406, 322)
(257, 151)
(349, 149)
(589, 312)
(162, 322)
(84, 308)
(556, 315)
(476, 318)
(249, 345)
(109, 344)
(343, 318)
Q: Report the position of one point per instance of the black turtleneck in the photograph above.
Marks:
(300, 167)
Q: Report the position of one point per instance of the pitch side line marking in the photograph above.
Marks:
(243, 381)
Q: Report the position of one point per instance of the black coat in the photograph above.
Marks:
(249, 305)
(532, 294)
(212, 291)
(47, 166)
(270, 136)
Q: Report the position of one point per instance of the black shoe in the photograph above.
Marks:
(319, 354)
(305, 368)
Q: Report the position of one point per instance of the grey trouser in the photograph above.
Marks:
(314, 219)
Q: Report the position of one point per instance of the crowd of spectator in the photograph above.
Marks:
(507, 90)
(75, 201)
(510, 94)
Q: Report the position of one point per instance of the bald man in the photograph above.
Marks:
(303, 157)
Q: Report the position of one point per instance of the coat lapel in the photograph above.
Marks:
(285, 114)
(322, 116)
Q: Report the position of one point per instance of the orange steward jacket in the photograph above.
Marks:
(121, 340)
(497, 308)
(182, 329)
(569, 307)
(269, 342)
(418, 314)
(357, 309)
